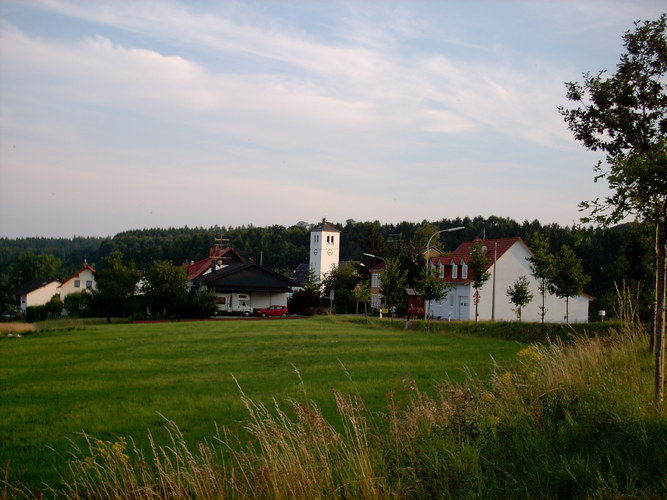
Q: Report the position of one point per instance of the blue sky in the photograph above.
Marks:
(124, 115)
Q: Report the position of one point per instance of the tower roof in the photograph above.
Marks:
(324, 226)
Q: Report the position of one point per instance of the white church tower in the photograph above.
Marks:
(324, 249)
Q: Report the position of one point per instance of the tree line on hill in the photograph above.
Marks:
(610, 256)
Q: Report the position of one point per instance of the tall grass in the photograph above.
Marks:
(572, 420)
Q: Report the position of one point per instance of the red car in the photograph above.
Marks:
(273, 311)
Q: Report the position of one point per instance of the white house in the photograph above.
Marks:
(324, 249)
(507, 261)
(35, 292)
(83, 279)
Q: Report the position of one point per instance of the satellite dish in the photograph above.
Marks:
(484, 250)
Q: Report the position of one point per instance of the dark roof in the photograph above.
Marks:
(246, 277)
(324, 226)
(30, 286)
(300, 274)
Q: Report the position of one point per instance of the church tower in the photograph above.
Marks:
(324, 249)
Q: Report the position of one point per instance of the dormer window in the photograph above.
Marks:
(464, 271)
(441, 270)
(455, 270)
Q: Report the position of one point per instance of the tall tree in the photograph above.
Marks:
(519, 294)
(540, 266)
(341, 280)
(116, 283)
(625, 116)
(165, 287)
(478, 265)
(29, 266)
(393, 283)
(567, 278)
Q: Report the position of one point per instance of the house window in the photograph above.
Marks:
(455, 271)
(442, 270)
(332, 238)
(89, 283)
(77, 283)
(464, 271)
(451, 300)
(377, 281)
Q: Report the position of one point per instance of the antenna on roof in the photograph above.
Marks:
(220, 240)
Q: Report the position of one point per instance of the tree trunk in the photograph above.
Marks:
(659, 321)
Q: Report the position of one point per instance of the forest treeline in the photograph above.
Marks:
(610, 256)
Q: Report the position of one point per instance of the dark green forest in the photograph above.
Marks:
(609, 256)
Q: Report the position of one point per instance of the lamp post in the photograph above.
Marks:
(426, 256)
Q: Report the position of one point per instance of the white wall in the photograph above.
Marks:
(40, 296)
(260, 300)
(508, 269)
(86, 275)
(324, 252)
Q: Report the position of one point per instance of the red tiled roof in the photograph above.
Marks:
(462, 253)
(198, 268)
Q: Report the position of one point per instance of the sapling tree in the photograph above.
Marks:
(432, 288)
(477, 268)
(520, 295)
(567, 278)
(393, 283)
(540, 266)
(624, 115)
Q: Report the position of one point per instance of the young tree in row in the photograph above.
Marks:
(392, 286)
(540, 266)
(520, 294)
(477, 265)
(362, 293)
(567, 278)
(625, 116)
(432, 288)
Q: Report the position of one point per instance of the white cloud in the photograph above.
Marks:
(353, 112)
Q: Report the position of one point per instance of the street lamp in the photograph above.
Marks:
(426, 257)
(375, 257)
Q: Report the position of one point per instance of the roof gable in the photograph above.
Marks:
(227, 256)
(31, 286)
(76, 275)
(246, 277)
(461, 255)
(324, 226)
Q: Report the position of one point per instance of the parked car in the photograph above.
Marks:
(273, 311)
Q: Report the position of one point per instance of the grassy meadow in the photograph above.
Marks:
(125, 379)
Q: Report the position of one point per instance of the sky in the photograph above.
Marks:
(126, 115)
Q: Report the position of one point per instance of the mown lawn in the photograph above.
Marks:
(124, 379)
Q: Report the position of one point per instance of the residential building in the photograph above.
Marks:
(36, 292)
(263, 286)
(507, 260)
(83, 279)
(376, 283)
